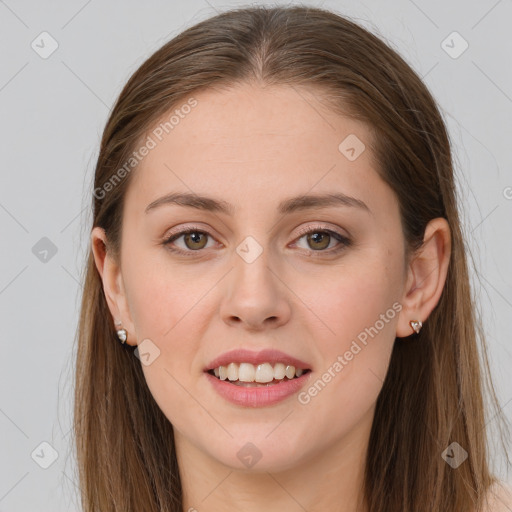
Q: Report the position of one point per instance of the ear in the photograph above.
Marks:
(113, 286)
(426, 276)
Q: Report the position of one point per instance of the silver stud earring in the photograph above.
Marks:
(416, 325)
(121, 333)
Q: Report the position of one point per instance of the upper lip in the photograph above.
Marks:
(263, 356)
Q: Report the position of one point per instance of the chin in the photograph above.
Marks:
(258, 455)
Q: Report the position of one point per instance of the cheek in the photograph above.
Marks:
(168, 307)
(355, 298)
(359, 312)
(162, 297)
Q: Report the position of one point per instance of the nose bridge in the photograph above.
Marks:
(255, 294)
(252, 276)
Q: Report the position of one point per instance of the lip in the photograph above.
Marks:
(257, 396)
(271, 356)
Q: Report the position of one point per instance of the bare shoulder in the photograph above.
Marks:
(499, 498)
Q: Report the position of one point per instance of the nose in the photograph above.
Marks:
(256, 296)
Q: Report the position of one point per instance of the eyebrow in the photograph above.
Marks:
(287, 206)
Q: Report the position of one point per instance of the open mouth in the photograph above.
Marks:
(261, 375)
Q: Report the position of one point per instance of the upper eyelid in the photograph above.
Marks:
(189, 229)
(319, 227)
(193, 228)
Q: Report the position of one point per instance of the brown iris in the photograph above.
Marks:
(194, 237)
(318, 238)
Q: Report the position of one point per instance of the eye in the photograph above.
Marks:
(319, 239)
(194, 240)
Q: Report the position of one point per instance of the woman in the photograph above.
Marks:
(277, 310)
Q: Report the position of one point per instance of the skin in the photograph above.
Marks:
(253, 147)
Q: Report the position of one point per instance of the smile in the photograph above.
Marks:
(250, 375)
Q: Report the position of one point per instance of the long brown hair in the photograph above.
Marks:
(434, 392)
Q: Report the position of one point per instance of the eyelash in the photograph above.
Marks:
(343, 240)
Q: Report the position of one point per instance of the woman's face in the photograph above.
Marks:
(248, 278)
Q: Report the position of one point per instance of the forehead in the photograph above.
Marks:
(256, 143)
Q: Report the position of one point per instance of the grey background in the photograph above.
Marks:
(52, 113)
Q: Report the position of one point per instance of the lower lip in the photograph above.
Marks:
(257, 396)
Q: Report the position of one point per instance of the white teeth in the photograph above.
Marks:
(290, 371)
(262, 373)
(246, 372)
(232, 371)
(279, 371)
